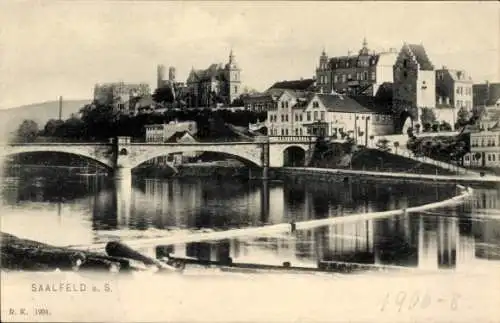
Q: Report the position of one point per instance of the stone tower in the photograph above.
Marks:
(323, 79)
(160, 76)
(171, 74)
(233, 78)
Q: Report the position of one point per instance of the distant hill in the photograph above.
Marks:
(38, 112)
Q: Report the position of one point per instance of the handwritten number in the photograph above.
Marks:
(414, 301)
(400, 299)
(386, 299)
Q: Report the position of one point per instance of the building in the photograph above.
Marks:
(360, 74)
(453, 92)
(216, 85)
(121, 95)
(163, 132)
(414, 86)
(326, 114)
(172, 132)
(484, 148)
(486, 95)
(260, 102)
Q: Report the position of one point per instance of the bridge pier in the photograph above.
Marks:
(123, 173)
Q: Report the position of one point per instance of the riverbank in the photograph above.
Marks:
(328, 174)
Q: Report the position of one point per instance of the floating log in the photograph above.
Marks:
(118, 249)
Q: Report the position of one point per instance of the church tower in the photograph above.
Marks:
(233, 78)
(323, 75)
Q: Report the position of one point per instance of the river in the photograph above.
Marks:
(83, 210)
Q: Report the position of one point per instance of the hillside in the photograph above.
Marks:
(373, 160)
(39, 112)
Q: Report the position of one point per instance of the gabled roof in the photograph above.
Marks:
(294, 85)
(215, 71)
(374, 104)
(458, 75)
(175, 137)
(339, 103)
(420, 55)
(496, 127)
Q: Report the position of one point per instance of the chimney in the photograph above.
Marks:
(60, 107)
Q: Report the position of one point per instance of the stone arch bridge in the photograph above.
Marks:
(121, 155)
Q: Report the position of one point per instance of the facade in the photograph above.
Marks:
(120, 94)
(259, 102)
(326, 114)
(486, 95)
(413, 87)
(453, 92)
(485, 148)
(360, 74)
(163, 132)
(170, 133)
(215, 85)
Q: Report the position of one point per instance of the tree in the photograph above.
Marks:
(51, 127)
(383, 144)
(463, 117)
(163, 95)
(396, 146)
(427, 116)
(27, 131)
(445, 126)
(435, 127)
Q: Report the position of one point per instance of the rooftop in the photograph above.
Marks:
(340, 103)
(420, 55)
(294, 85)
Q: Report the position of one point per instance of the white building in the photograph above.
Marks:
(326, 114)
(485, 148)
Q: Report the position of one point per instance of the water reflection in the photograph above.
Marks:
(80, 210)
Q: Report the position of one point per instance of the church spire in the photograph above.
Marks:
(364, 50)
(231, 56)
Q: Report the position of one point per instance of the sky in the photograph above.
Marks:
(52, 48)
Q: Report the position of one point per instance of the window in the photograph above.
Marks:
(282, 104)
(322, 115)
(297, 132)
(344, 78)
(335, 79)
(235, 89)
(315, 104)
(373, 76)
(286, 118)
(308, 116)
(296, 117)
(286, 104)
(315, 115)
(282, 118)
(282, 132)
(349, 77)
(365, 76)
(405, 74)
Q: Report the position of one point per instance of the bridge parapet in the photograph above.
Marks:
(296, 139)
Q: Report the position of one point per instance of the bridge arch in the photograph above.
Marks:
(294, 156)
(101, 154)
(248, 153)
